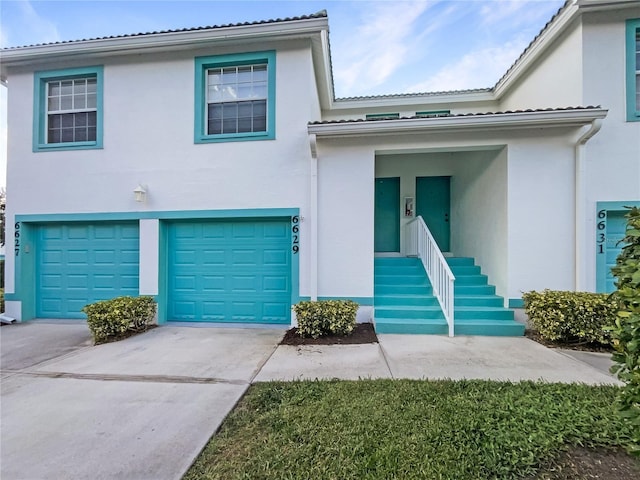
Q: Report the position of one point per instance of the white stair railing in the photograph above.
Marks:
(420, 242)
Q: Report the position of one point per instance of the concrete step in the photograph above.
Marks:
(409, 311)
(493, 328)
(414, 279)
(478, 301)
(489, 313)
(423, 289)
(465, 270)
(460, 261)
(411, 326)
(474, 290)
(471, 280)
(406, 300)
(399, 270)
(396, 261)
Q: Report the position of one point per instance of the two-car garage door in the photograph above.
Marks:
(216, 270)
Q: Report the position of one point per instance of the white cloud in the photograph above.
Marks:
(478, 69)
(29, 28)
(378, 46)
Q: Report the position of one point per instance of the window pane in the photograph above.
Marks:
(214, 94)
(214, 127)
(229, 93)
(67, 120)
(260, 73)
(54, 89)
(81, 119)
(260, 108)
(244, 125)
(91, 134)
(229, 75)
(260, 91)
(53, 136)
(259, 124)
(54, 121)
(80, 86)
(637, 93)
(66, 102)
(91, 85)
(67, 135)
(81, 134)
(54, 104)
(244, 91)
(244, 74)
(66, 87)
(79, 101)
(91, 101)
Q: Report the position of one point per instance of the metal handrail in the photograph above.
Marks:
(420, 242)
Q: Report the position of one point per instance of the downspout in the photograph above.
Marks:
(313, 214)
(580, 219)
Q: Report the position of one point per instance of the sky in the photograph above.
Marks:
(377, 47)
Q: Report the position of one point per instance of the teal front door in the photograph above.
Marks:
(387, 215)
(433, 203)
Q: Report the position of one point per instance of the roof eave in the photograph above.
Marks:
(413, 99)
(165, 41)
(537, 48)
(546, 119)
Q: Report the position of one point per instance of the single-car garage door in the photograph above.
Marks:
(230, 271)
(80, 263)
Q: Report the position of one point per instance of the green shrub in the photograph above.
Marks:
(109, 320)
(571, 317)
(626, 333)
(326, 317)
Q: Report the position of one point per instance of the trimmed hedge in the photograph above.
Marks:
(326, 317)
(626, 333)
(571, 317)
(110, 320)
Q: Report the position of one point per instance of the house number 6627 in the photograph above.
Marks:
(16, 243)
(295, 230)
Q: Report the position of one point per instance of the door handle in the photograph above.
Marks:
(446, 217)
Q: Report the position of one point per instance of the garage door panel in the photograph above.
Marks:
(79, 264)
(239, 265)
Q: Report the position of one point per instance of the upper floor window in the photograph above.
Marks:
(235, 97)
(633, 70)
(68, 109)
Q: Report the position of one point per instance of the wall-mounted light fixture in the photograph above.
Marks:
(140, 193)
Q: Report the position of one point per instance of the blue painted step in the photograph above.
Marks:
(404, 300)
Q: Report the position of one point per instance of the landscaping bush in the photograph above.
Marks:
(571, 317)
(110, 320)
(626, 333)
(326, 317)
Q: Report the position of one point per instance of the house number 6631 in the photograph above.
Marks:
(295, 230)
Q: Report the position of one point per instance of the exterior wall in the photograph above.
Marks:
(149, 140)
(480, 213)
(553, 81)
(612, 157)
(541, 199)
(345, 219)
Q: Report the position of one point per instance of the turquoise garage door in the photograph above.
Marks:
(230, 271)
(80, 263)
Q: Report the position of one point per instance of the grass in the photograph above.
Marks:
(397, 429)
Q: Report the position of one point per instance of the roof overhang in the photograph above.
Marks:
(509, 120)
(165, 41)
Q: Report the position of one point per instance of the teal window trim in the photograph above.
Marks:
(434, 113)
(382, 116)
(200, 109)
(40, 107)
(633, 69)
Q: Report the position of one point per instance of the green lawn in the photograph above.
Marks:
(392, 429)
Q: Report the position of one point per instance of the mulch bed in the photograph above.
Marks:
(585, 347)
(580, 463)
(363, 333)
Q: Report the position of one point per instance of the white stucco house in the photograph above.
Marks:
(214, 169)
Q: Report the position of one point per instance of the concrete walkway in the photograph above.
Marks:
(144, 407)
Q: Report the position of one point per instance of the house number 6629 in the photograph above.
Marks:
(295, 230)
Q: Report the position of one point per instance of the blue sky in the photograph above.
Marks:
(378, 47)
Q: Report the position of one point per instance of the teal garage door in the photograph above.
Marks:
(80, 263)
(230, 271)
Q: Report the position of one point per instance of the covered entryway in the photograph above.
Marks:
(230, 270)
(80, 263)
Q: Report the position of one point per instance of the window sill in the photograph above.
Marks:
(45, 147)
(236, 137)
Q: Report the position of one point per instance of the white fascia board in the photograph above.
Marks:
(606, 4)
(562, 118)
(537, 48)
(412, 100)
(165, 41)
(322, 69)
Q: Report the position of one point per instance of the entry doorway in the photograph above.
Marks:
(387, 215)
(433, 201)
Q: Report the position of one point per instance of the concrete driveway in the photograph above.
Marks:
(142, 408)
